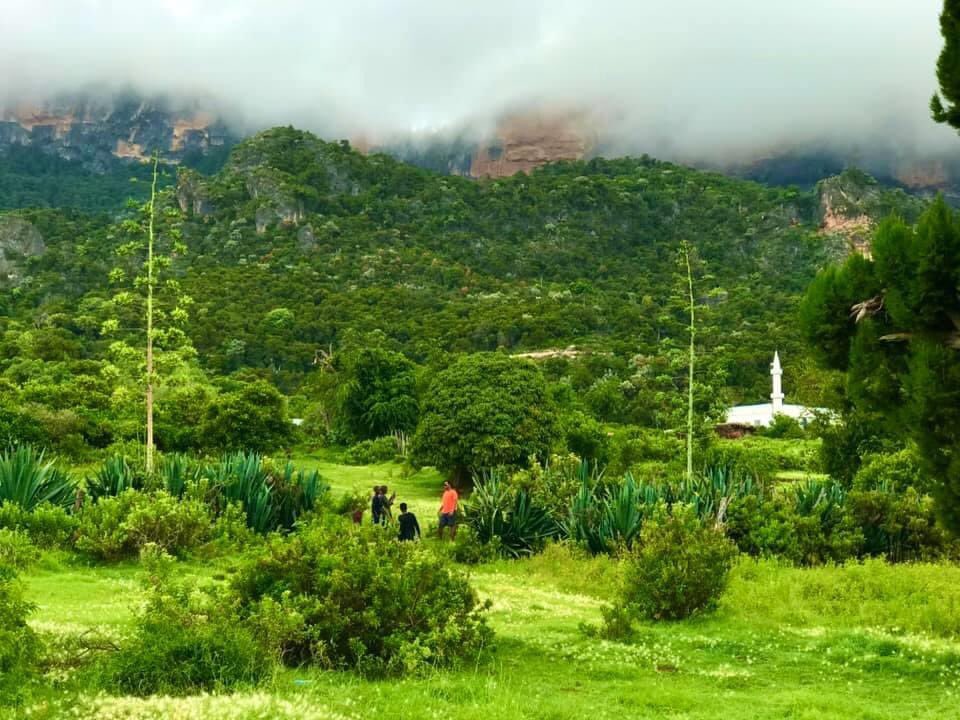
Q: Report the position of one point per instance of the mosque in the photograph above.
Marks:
(762, 415)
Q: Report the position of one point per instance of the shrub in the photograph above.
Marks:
(469, 550)
(176, 526)
(586, 437)
(743, 459)
(786, 454)
(16, 550)
(811, 528)
(784, 426)
(28, 481)
(892, 472)
(679, 569)
(342, 597)
(898, 526)
(554, 485)
(47, 526)
(19, 646)
(116, 527)
(178, 472)
(368, 452)
(254, 416)
(185, 641)
(102, 532)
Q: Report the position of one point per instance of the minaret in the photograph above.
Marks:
(776, 372)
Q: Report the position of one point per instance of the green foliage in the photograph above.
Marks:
(19, 646)
(378, 395)
(28, 481)
(174, 525)
(250, 415)
(344, 597)
(112, 478)
(892, 472)
(253, 417)
(899, 526)
(485, 410)
(510, 519)
(895, 330)
(47, 526)
(810, 526)
(16, 550)
(184, 642)
(751, 459)
(679, 569)
(368, 452)
(113, 528)
(943, 106)
(552, 486)
(271, 499)
(586, 438)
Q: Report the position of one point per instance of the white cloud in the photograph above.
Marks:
(694, 76)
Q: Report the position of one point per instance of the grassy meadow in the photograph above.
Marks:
(867, 640)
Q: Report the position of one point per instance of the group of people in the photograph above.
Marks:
(409, 528)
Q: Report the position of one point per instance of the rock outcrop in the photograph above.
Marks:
(852, 203)
(19, 241)
(96, 131)
(527, 141)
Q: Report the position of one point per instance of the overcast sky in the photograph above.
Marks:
(704, 77)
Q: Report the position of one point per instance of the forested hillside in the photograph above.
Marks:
(299, 252)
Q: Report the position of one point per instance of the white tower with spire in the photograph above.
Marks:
(776, 373)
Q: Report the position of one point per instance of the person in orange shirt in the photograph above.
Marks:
(448, 510)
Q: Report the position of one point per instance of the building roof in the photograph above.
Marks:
(763, 414)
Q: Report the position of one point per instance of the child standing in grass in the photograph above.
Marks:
(409, 527)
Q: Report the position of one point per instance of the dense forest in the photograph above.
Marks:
(299, 253)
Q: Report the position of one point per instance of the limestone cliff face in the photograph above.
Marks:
(852, 203)
(94, 131)
(527, 141)
(19, 241)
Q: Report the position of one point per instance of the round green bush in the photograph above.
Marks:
(680, 567)
(346, 597)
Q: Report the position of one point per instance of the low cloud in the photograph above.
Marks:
(685, 78)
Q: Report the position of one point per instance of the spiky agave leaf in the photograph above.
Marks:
(28, 481)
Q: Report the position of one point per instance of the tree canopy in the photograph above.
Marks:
(892, 321)
(485, 410)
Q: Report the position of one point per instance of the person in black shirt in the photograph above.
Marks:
(378, 506)
(409, 527)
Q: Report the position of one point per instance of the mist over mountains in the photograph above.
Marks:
(709, 83)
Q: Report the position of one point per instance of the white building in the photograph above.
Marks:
(762, 415)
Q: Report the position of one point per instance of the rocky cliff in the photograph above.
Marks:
(850, 205)
(97, 131)
(524, 142)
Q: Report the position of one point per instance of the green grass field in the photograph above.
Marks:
(863, 641)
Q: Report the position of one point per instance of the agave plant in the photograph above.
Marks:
(494, 513)
(242, 478)
(818, 497)
(622, 518)
(112, 478)
(177, 472)
(582, 524)
(297, 492)
(27, 480)
(525, 528)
